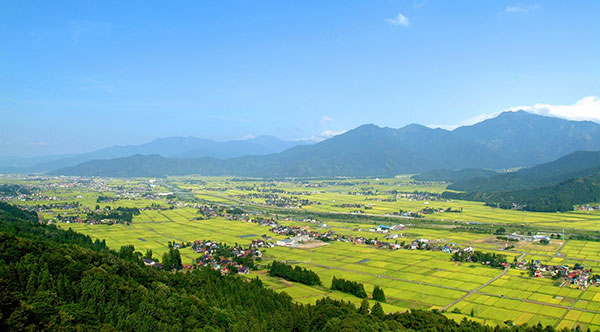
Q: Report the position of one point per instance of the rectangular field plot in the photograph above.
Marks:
(154, 229)
(406, 276)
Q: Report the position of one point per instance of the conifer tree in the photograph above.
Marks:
(364, 307)
(377, 311)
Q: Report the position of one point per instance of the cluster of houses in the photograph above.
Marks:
(274, 190)
(273, 199)
(225, 259)
(420, 213)
(426, 244)
(304, 234)
(209, 211)
(577, 276)
(326, 184)
(386, 229)
(355, 205)
(419, 196)
(587, 207)
(301, 234)
(379, 199)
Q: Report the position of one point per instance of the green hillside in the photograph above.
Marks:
(454, 176)
(560, 197)
(573, 165)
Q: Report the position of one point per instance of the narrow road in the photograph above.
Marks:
(481, 286)
(469, 292)
(569, 309)
(381, 276)
(561, 248)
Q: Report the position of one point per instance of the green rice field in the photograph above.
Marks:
(411, 279)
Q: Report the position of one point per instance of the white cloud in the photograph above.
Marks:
(586, 108)
(400, 20)
(323, 135)
(520, 9)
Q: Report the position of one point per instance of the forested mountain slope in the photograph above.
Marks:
(573, 165)
(453, 176)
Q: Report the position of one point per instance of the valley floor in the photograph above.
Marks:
(410, 278)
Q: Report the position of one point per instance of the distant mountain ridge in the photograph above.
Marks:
(576, 164)
(370, 150)
(554, 186)
(172, 147)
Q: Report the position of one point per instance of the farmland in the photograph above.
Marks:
(169, 211)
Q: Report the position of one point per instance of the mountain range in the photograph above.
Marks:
(172, 147)
(512, 139)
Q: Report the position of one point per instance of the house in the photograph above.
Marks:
(285, 243)
(243, 270)
(541, 237)
(383, 228)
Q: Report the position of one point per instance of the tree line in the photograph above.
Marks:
(495, 260)
(348, 286)
(296, 273)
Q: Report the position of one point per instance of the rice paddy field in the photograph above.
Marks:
(154, 229)
(411, 279)
(329, 196)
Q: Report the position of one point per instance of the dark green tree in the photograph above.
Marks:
(377, 311)
(378, 294)
(364, 307)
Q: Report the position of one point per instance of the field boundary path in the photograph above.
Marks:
(382, 276)
(569, 308)
(469, 292)
(558, 254)
(474, 291)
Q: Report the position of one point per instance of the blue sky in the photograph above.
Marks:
(80, 75)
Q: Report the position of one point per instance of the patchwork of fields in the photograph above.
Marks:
(411, 279)
(154, 229)
(377, 191)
